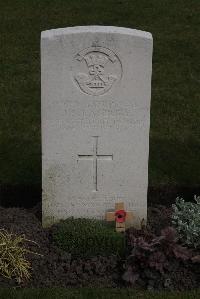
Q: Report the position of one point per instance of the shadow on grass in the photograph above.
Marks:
(174, 162)
(83, 293)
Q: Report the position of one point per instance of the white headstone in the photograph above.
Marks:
(96, 89)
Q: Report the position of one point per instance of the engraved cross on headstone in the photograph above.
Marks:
(95, 157)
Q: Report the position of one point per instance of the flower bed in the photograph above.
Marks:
(162, 263)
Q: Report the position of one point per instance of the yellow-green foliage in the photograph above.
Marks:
(13, 262)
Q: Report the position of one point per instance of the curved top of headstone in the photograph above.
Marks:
(96, 29)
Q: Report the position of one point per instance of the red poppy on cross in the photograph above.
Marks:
(120, 216)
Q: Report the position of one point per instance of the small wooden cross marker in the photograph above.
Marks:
(120, 216)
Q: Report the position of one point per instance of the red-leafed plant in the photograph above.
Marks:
(152, 256)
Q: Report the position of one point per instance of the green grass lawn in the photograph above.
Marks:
(175, 109)
(92, 293)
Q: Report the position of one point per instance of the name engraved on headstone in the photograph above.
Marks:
(103, 115)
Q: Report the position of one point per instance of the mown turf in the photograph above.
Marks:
(175, 109)
(83, 293)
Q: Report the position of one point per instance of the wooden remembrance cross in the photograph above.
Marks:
(120, 216)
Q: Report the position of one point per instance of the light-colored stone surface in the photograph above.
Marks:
(96, 88)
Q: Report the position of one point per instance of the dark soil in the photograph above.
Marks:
(57, 268)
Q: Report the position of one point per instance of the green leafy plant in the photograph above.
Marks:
(88, 237)
(186, 220)
(13, 262)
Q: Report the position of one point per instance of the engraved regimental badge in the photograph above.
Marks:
(97, 70)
